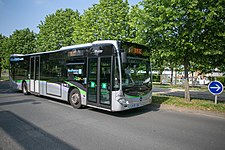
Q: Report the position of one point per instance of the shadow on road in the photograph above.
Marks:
(17, 102)
(126, 113)
(159, 99)
(27, 135)
(5, 88)
(130, 112)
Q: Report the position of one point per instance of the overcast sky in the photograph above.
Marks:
(21, 14)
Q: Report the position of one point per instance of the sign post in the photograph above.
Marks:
(216, 88)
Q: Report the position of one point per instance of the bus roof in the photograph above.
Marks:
(75, 46)
(53, 51)
(114, 42)
(15, 55)
(70, 47)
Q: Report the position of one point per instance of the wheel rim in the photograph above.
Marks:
(75, 98)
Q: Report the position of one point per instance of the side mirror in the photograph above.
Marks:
(124, 57)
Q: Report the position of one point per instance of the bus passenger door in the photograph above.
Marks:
(99, 81)
(35, 74)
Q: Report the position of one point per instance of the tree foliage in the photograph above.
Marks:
(213, 33)
(20, 42)
(2, 52)
(56, 31)
(187, 32)
(106, 20)
(183, 31)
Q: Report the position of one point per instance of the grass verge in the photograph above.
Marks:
(195, 104)
(4, 78)
(195, 88)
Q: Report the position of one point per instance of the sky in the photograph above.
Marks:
(21, 14)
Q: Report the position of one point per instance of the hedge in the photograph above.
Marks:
(221, 79)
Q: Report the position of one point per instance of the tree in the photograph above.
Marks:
(106, 20)
(20, 42)
(140, 32)
(213, 33)
(183, 29)
(56, 31)
(2, 52)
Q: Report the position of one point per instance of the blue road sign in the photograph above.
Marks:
(215, 87)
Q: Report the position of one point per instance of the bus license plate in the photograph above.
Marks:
(134, 105)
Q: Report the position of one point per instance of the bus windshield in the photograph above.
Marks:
(136, 72)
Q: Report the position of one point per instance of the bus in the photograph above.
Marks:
(109, 74)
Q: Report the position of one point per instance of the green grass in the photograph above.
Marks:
(4, 78)
(196, 88)
(195, 104)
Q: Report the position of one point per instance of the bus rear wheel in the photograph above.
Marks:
(24, 88)
(75, 98)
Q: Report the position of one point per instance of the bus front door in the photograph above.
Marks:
(35, 74)
(99, 82)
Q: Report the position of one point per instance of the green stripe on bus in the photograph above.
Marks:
(128, 96)
(81, 91)
(19, 81)
(136, 96)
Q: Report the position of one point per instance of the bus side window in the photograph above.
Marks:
(76, 71)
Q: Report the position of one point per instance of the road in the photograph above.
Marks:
(194, 93)
(31, 122)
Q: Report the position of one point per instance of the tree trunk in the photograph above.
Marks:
(171, 80)
(186, 81)
(161, 77)
(192, 79)
(175, 82)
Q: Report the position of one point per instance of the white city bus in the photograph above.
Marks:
(110, 75)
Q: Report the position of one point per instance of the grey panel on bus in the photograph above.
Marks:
(54, 89)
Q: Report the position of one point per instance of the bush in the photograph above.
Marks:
(156, 78)
(221, 79)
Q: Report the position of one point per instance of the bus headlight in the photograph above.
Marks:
(123, 101)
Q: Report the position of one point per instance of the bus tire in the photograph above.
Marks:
(24, 88)
(75, 98)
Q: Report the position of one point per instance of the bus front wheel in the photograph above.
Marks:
(75, 98)
(24, 88)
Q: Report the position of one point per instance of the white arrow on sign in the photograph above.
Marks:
(217, 87)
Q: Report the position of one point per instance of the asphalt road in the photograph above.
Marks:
(31, 122)
(193, 93)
